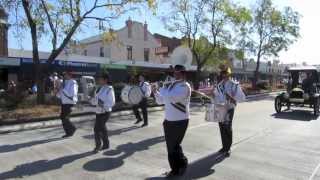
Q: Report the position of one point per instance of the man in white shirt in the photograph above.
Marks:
(232, 94)
(104, 101)
(68, 95)
(176, 100)
(146, 91)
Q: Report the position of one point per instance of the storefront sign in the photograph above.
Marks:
(9, 61)
(114, 66)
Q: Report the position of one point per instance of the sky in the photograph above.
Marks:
(304, 50)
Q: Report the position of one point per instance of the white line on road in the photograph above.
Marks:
(200, 125)
(314, 172)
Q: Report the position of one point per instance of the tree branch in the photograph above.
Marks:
(33, 29)
(52, 28)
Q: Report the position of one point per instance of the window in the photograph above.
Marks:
(146, 54)
(85, 52)
(130, 31)
(101, 52)
(108, 52)
(129, 52)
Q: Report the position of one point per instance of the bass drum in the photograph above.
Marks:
(131, 95)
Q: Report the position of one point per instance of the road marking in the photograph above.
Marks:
(259, 133)
(200, 125)
(314, 172)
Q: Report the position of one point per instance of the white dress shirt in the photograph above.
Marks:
(231, 88)
(68, 92)
(104, 99)
(176, 99)
(145, 88)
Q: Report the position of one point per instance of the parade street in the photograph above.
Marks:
(266, 146)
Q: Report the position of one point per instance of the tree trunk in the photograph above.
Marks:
(196, 84)
(256, 73)
(40, 84)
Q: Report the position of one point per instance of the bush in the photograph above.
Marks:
(263, 84)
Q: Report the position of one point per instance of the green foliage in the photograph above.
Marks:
(272, 30)
(207, 27)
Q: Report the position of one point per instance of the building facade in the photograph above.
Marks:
(131, 43)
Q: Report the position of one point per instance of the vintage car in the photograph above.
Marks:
(302, 89)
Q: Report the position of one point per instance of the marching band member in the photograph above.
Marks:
(233, 94)
(104, 101)
(68, 95)
(176, 99)
(146, 90)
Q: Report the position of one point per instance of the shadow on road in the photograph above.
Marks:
(199, 169)
(15, 147)
(296, 115)
(41, 166)
(121, 152)
(115, 132)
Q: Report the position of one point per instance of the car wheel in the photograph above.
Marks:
(278, 104)
(316, 107)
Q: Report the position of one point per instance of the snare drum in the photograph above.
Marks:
(131, 95)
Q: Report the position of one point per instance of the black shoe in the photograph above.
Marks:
(138, 121)
(170, 174)
(96, 150)
(225, 153)
(66, 135)
(144, 124)
(105, 146)
(181, 171)
(73, 131)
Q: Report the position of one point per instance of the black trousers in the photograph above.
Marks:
(100, 129)
(226, 131)
(68, 127)
(174, 133)
(143, 106)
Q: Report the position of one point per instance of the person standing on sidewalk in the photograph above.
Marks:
(233, 94)
(146, 91)
(68, 95)
(176, 100)
(104, 101)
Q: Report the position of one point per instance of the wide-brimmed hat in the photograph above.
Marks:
(225, 69)
(104, 75)
(180, 68)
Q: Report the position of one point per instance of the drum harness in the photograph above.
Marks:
(179, 106)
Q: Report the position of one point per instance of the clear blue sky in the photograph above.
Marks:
(305, 49)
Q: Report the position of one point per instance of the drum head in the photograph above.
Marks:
(135, 95)
(131, 95)
(125, 94)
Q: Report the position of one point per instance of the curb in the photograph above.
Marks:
(117, 111)
(57, 122)
(250, 97)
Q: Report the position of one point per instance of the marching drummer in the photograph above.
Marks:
(104, 101)
(232, 93)
(68, 94)
(176, 99)
(146, 91)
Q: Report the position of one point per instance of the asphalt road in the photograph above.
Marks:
(266, 146)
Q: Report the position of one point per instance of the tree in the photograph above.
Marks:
(272, 31)
(199, 21)
(60, 20)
